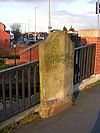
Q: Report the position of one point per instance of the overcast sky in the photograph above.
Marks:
(78, 13)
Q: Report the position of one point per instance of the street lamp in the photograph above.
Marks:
(98, 12)
(35, 23)
(49, 27)
(49, 13)
(14, 46)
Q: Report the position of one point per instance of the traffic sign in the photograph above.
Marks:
(49, 27)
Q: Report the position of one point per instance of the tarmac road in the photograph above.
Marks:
(84, 117)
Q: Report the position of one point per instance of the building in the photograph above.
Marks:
(4, 36)
(2, 27)
(8, 53)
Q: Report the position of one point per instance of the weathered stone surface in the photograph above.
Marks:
(56, 57)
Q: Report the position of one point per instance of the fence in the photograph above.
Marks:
(84, 59)
(19, 89)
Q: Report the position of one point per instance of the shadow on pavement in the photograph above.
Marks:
(75, 93)
(96, 128)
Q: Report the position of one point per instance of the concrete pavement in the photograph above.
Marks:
(84, 117)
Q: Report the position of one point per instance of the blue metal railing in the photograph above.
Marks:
(19, 89)
(84, 60)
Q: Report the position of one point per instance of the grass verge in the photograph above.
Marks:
(12, 126)
(28, 118)
(91, 85)
(9, 128)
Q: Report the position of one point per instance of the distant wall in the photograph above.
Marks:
(89, 33)
(11, 61)
(30, 55)
(92, 36)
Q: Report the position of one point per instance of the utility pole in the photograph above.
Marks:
(35, 23)
(98, 12)
(28, 25)
(49, 27)
(25, 27)
(49, 13)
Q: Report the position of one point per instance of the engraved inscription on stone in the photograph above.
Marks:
(54, 57)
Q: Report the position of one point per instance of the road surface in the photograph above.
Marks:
(84, 117)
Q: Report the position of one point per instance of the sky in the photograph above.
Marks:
(79, 14)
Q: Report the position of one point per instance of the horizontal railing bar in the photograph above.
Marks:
(18, 67)
(88, 45)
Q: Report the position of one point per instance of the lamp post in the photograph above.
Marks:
(98, 12)
(14, 46)
(35, 23)
(49, 27)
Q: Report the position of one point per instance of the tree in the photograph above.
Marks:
(16, 30)
(71, 29)
(64, 28)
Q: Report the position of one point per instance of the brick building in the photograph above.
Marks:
(6, 52)
(4, 36)
(2, 27)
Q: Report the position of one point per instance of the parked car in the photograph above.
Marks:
(40, 38)
(31, 40)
